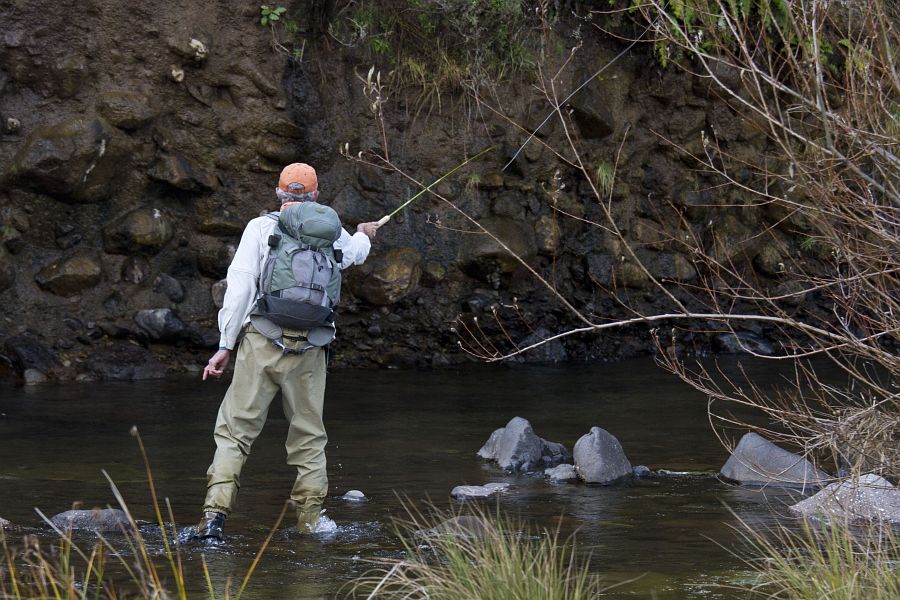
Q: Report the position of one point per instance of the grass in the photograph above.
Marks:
(838, 562)
(63, 570)
(488, 556)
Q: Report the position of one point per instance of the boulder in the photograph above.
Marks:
(161, 324)
(6, 525)
(170, 287)
(388, 276)
(869, 498)
(69, 276)
(124, 362)
(27, 352)
(76, 160)
(561, 473)
(475, 492)
(98, 520)
(481, 257)
(517, 447)
(144, 230)
(642, 471)
(125, 109)
(599, 458)
(757, 461)
(182, 173)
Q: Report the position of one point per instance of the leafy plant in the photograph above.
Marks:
(269, 15)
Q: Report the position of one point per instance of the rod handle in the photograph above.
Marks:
(384, 220)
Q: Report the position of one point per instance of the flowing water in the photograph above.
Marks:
(401, 435)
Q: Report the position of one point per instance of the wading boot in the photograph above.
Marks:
(308, 518)
(211, 526)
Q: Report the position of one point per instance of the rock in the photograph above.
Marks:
(740, 343)
(769, 262)
(125, 109)
(6, 525)
(869, 498)
(124, 362)
(98, 520)
(160, 323)
(465, 526)
(218, 292)
(391, 276)
(509, 205)
(561, 473)
(599, 458)
(546, 233)
(599, 268)
(757, 461)
(433, 273)
(182, 173)
(75, 160)
(516, 447)
(641, 471)
(33, 377)
(170, 287)
(473, 492)
(7, 270)
(135, 269)
(69, 276)
(482, 257)
(143, 230)
(27, 352)
(213, 256)
(354, 496)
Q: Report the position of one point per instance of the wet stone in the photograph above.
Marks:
(474, 492)
(757, 461)
(599, 458)
(561, 473)
(354, 496)
(98, 520)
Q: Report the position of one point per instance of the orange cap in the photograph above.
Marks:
(298, 178)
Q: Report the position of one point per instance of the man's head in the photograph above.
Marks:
(297, 183)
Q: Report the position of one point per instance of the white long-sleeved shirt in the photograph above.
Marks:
(248, 263)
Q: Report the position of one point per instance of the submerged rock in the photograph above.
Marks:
(354, 496)
(869, 498)
(473, 492)
(757, 461)
(599, 458)
(517, 447)
(561, 473)
(99, 519)
(465, 526)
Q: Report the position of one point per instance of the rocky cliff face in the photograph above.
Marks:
(138, 139)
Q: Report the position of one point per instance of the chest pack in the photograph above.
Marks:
(300, 284)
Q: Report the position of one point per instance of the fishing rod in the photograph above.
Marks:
(387, 218)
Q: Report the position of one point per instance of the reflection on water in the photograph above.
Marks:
(393, 435)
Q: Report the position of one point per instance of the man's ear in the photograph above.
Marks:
(314, 195)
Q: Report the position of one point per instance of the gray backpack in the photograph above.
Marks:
(300, 284)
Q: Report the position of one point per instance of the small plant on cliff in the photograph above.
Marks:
(284, 31)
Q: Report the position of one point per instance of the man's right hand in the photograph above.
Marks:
(217, 364)
(368, 228)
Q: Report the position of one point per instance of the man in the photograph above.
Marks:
(292, 363)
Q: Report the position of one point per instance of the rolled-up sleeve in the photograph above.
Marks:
(243, 280)
(354, 247)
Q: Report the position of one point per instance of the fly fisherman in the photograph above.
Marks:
(283, 283)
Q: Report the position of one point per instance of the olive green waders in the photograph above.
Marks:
(260, 370)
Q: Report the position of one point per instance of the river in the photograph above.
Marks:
(402, 434)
